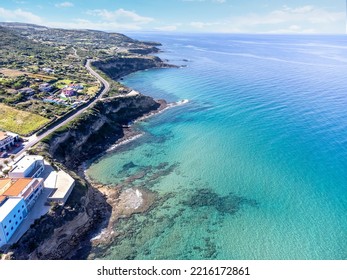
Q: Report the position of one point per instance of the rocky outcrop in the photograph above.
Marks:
(117, 67)
(98, 129)
(147, 50)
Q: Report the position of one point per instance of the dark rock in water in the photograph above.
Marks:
(128, 166)
(162, 165)
(229, 204)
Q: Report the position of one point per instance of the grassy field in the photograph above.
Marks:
(92, 90)
(11, 73)
(19, 121)
(62, 83)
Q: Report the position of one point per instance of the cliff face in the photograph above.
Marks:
(122, 66)
(58, 236)
(101, 127)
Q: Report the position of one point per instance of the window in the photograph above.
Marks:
(18, 210)
(14, 216)
(16, 223)
(20, 217)
(5, 227)
(11, 228)
(22, 206)
(10, 221)
(6, 233)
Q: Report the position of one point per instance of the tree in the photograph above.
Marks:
(6, 161)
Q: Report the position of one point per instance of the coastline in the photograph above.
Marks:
(123, 200)
(102, 206)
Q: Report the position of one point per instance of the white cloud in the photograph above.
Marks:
(64, 5)
(120, 15)
(96, 25)
(167, 28)
(19, 15)
(304, 19)
(200, 25)
(111, 20)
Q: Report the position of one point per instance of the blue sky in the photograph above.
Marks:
(227, 16)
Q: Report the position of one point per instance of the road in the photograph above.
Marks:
(34, 139)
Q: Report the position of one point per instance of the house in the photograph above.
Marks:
(27, 91)
(76, 86)
(68, 92)
(27, 167)
(7, 139)
(48, 70)
(12, 212)
(45, 87)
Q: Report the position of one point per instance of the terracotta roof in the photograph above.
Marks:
(3, 135)
(17, 187)
(4, 185)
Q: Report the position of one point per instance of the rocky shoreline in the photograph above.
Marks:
(91, 221)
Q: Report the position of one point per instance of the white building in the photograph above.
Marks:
(61, 184)
(7, 140)
(27, 167)
(26, 188)
(12, 212)
(45, 87)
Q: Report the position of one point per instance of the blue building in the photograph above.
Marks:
(12, 212)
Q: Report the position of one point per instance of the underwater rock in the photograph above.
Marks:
(229, 204)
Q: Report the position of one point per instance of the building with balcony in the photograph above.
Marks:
(7, 140)
(26, 188)
(27, 167)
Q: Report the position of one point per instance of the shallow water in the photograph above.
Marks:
(254, 166)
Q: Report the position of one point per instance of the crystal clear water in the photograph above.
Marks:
(254, 166)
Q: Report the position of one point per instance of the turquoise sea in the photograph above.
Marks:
(254, 166)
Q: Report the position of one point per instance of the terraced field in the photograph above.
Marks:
(20, 122)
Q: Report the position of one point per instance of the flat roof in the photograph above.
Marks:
(8, 206)
(12, 134)
(25, 162)
(64, 183)
(18, 186)
(4, 184)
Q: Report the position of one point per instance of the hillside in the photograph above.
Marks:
(32, 56)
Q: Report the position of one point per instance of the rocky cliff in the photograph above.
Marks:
(117, 67)
(96, 130)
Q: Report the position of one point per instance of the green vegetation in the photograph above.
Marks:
(62, 83)
(31, 55)
(18, 121)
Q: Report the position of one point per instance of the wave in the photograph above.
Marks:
(125, 141)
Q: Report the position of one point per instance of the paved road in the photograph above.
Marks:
(34, 139)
